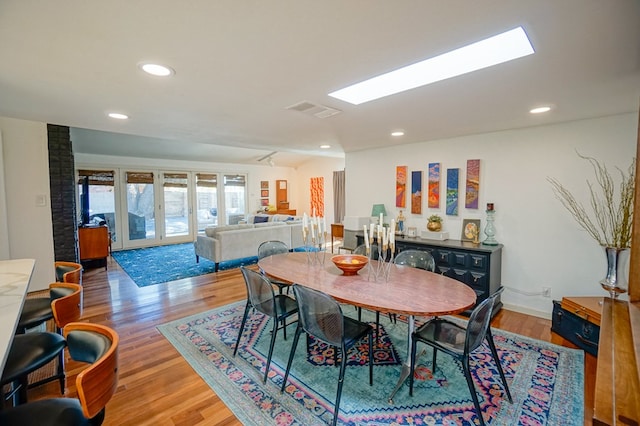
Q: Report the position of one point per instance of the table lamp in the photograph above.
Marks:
(379, 211)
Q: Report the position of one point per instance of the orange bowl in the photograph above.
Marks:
(350, 264)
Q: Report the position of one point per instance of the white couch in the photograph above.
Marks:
(230, 242)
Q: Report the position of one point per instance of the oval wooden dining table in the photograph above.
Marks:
(408, 291)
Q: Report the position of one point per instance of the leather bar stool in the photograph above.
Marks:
(37, 310)
(91, 343)
(31, 351)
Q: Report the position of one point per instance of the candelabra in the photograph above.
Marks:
(382, 253)
(314, 242)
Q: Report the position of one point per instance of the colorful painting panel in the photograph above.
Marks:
(317, 196)
(401, 186)
(434, 186)
(473, 184)
(416, 192)
(452, 192)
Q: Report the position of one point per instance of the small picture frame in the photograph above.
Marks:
(264, 202)
(264, 184)
(264, 193)
(470, 230)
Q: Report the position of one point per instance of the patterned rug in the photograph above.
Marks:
(546, 381)
(155, 265)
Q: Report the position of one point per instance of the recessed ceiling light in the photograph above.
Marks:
(118, 116)
(494, 50)
(157, 69)
(540, 110)
(397, 133)
(325, 146)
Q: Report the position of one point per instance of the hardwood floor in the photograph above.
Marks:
(156, 385)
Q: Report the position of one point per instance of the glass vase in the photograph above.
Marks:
(617, 278)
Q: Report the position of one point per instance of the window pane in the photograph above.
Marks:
(140, 205)
(207, 200)
(101, 201)
(176, 204)
(235, 190)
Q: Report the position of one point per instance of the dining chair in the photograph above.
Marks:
(420, 259)
(268, 248)
(31, 351)
(89, 343)
(260, 296)
(455, 340)
(321, 316)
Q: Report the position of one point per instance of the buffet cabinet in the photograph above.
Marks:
(475, 265)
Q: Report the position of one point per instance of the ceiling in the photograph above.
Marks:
(240, 64)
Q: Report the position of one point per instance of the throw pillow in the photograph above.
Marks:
(260, 219)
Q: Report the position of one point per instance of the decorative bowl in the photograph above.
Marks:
(350, 264)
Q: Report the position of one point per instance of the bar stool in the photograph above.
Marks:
(31, 351)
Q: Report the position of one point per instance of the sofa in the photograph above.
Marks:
(230, 242)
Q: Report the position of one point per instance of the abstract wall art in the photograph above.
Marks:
(416, 192)
(434, 186)
(473, 184)
(317, 196)
(452, 192)
(401, 186)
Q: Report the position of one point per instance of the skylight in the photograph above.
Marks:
(494, 50)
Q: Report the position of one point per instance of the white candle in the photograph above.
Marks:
(381, 219)
(305, 221)
(371, 231)
(392, 231)
(313, 228)
(366, 236)
(385, 241)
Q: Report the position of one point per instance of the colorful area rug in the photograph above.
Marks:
(155, 265)
(546, 381)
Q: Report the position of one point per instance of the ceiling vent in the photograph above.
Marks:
(309, 108)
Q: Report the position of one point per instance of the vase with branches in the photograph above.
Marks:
(610, 219)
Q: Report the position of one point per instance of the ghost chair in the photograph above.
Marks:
(262, 298)
(321, 317)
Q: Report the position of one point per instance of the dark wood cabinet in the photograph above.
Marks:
(476, 265)
(93, 242)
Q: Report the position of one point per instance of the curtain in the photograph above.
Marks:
(338, 196)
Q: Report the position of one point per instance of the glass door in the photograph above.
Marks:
(97, 206)
(235, 196)
(206, 200)
(141, 218)
(176, 211)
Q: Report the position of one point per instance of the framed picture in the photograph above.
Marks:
(264, 202)
(264, 184)
(264, 193)
(470, 230)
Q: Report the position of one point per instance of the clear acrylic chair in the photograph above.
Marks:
(321, 316)
(260, 296)
(269, 248)
(416, 259)
(458, 342)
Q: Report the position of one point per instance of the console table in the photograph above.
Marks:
(475, 265)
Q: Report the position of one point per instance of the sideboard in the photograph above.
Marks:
(477, 265)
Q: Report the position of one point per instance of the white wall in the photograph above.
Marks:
(26, 171)
(543, 245)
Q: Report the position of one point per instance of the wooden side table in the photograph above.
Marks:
(337, 231)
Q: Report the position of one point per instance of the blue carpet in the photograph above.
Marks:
(155, 265)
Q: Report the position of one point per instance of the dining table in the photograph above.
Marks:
(404, 290)
(15, 276)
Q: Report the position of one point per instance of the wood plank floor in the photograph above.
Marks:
(156, 385)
